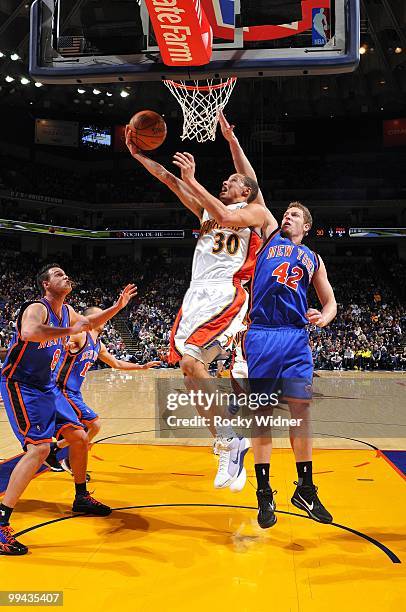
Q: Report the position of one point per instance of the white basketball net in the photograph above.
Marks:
(201, 104)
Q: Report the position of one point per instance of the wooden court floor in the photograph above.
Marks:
(173, 542)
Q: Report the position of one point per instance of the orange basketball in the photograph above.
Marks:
(148, 130)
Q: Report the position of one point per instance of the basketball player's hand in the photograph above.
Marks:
(186, 163)
(315, 317)
(135, 151)
(126, 295)
(226, 129)
(152, 364)
(81, 325)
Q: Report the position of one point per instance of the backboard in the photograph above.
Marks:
(96, 41)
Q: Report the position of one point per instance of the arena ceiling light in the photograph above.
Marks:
(80, 90)
(9, 79)
(38, 84)
(124, 93)
(96, 91)
(1, 54)
(108, 94)
(15, 57)
(24, 81)
(363, 49)
(398, 50)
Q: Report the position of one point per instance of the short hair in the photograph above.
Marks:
(43, 275)
(252, 184)
(306, 212)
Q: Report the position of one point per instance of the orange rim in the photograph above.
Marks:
(200, 87)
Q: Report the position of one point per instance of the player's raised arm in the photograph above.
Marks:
(326, 296)
(252, 215)
(241, 162)
(175, 184)
(243, 166)
(34, 328)
(100, 318)
(119, 364)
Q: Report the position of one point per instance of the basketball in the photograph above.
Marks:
(148, 130)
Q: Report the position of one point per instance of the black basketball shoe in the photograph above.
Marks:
(51, 461)
(305, 498)
(266, 508)
(88, 505)
(8, 544)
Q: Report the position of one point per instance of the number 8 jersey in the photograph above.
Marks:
(282, 277)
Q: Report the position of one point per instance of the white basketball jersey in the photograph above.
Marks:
(224, 253)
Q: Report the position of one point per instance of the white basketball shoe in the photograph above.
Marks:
(231, 452)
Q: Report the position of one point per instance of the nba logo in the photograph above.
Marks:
(320, 26)
(225, 12)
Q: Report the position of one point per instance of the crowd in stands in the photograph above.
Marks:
(92, 288)
(367, 334)
(368, 331)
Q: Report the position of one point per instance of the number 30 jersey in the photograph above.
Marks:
(283, 274)
(73, 367)
(224, 253)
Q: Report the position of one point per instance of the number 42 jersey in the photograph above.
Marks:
(283, 274)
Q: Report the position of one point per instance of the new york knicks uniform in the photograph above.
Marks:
(216, 302)
(28, 385)
(276, 343)
(71, 373)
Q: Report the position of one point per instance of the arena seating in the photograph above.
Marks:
(368, 332)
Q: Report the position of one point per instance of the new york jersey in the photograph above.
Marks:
(73, 367)
(282, 277)
(224, 253)
(33, 363)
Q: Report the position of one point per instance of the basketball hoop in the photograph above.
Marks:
(201, 103)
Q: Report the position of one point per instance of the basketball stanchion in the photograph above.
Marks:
(201, 103)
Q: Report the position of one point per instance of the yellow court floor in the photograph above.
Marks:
(175, 543)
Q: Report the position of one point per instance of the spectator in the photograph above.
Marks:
(348, 358)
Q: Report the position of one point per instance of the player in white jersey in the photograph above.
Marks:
(216, 302)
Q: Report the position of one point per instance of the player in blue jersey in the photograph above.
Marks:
(81, 353)
(278, 352)
(28, 390)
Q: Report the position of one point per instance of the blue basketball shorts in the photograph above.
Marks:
(83, 412)
(31, 412)
(279, 361)
(66, 415)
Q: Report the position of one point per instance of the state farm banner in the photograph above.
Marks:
(182, 31)
(394, 133)
(58, 133)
